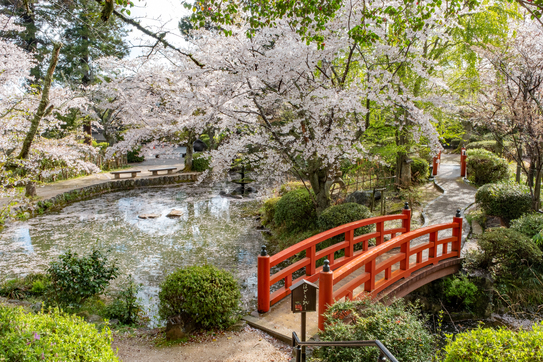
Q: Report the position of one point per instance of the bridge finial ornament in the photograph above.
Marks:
(406, 206)
(458, 213)
(326, 267)
(263, 251)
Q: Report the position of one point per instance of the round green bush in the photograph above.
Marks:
(484, 167)
(341, 214)
(506, 253)
(398, 326)
(296, 211)
(419, 169)
(52, 336)
(528, 224)
(205, 295)
(500, 345)
(200, 162)
(507, 200)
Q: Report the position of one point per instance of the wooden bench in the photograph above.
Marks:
(118, 173)
(156, 170)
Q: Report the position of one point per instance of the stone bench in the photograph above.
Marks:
(155, 171)
(118, 173)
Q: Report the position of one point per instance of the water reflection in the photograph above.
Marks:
(210, 230)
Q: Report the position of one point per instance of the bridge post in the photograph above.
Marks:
(263, 281)
(463, 165)
(435, 164)
(404, 249)
(406, 223)
(326, 292)
(457, 232)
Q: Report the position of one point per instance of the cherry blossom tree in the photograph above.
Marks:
(511, 99)
(288, 105)
(27, 114)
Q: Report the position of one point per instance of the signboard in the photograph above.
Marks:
(303, 297)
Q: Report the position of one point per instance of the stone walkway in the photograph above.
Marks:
(280, 321)
(458, 195)
(50, 190)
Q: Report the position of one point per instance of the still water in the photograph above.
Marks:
(212, 230)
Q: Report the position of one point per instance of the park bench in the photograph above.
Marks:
(156, 170)
(118, 173)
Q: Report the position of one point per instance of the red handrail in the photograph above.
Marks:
(368, 260)
(265, 262)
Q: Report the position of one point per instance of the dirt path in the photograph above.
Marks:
(248, 345)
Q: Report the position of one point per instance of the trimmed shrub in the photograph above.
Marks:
(341, 214)
(500, 345)
(268, 210)
(52, 336)
(200, 162)
(134, 155)
(420, 169)
(506, 253)
(296, 211)
(204, 295)
(398, 326)
(506, 200)
(528, 224)
(74, 279)
(484, 167)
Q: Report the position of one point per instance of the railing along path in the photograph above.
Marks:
(312, 272)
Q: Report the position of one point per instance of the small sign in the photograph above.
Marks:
(303, 297)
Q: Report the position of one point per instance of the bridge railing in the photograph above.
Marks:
(309, 262)
(373, 267)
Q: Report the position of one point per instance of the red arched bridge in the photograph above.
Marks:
(401, 261)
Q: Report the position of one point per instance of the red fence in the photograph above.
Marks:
(368, 261)
(312, 272)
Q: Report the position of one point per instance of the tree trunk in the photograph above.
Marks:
(531, 174)
(403, 169)
(190, 152)
(519, 166)
(86, 80)
(318, 178)
(537, 188)
(44, 102)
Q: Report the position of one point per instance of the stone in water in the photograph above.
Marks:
(175, 213)
(149, 216)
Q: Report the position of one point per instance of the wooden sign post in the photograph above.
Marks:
(303, 299)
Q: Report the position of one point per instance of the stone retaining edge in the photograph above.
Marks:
(65, 198)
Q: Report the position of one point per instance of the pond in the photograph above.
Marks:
(212, 229)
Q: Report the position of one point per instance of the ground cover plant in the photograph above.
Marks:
(51, 336)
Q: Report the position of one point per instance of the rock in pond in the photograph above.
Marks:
(175, 213)
(149, 216)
